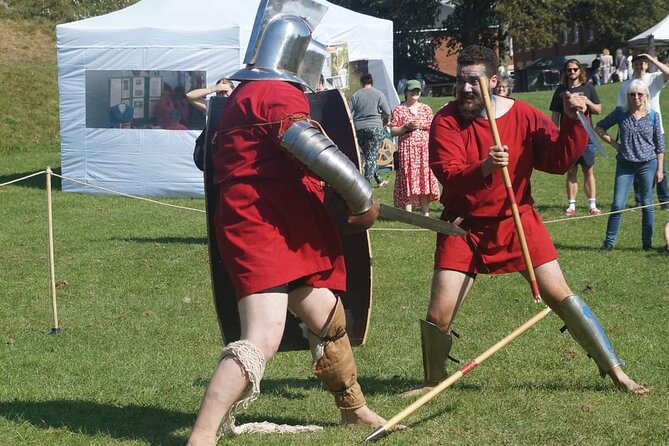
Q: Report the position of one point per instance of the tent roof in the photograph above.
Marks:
(127, 27)
(660, 33)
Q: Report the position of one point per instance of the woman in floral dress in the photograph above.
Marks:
(415, 184)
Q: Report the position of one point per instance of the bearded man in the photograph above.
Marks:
(467, 163)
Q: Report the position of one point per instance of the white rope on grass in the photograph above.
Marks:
(130, 196)
(41, 172)
(559, 220)
(606, 214)
(266, 427)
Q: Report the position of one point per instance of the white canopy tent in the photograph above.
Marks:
(175, 40)
(656, 34)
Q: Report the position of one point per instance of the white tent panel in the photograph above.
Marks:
(659, 33)
(172, 35)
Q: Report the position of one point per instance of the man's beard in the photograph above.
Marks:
(470, 106)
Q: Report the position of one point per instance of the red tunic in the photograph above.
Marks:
(457, 150)
(271, 224)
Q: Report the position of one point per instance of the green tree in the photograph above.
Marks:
(538, 23)
(416, 35)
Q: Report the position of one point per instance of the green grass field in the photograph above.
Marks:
(140, 338)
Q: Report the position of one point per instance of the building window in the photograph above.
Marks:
(565, 38)
(591, 35)
(577, 33)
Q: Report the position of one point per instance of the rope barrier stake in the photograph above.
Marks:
(52, 269)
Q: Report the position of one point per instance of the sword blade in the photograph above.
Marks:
(592, 135)
(433, 224)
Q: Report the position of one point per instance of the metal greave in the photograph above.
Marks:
(436, 346)
(588, 332)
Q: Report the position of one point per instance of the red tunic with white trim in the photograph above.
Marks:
(458, 148)
(271, 224)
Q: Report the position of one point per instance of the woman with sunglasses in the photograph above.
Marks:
(640, 156)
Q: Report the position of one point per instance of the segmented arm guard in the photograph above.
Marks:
(316, 151)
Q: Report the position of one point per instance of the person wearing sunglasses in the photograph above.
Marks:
(655, 82)
(574, 80)
(640, 157)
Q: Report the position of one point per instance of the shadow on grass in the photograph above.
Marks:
(150, 424)
(153, 425)
(597, 248)
(153, 240)
(36, 182)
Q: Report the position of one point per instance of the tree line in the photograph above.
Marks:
(495, 23)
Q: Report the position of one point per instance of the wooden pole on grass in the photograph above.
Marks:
(483, 84)
(52, 268)
(471, 365)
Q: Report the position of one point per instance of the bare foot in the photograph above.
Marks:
(418, 391)
(362, 416)
(626, 384)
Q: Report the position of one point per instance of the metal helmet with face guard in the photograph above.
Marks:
(281, 45)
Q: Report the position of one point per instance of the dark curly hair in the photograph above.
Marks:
(476, 54)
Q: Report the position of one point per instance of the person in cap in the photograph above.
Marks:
(468, 164)
(276, 239)
(415, 184)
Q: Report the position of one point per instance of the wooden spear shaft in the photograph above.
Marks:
(471, 365)
(483, 84)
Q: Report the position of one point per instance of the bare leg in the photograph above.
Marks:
(589, 184)
(554, 289)
(424, 205)
(314, 306)
(572, 184)
(449, 289)
(262, 319)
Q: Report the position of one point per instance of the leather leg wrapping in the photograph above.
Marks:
(587, 331)
(252, 363)
(333, 361)
(436, 345)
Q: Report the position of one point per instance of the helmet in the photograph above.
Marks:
(281, 45)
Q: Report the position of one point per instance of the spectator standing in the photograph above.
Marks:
(415, 184)
(655, 82)
(595, 70)
(621, 66)
(503, 87)
(574, 81)
(370, 112)
(640, 156)
(607, 64)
